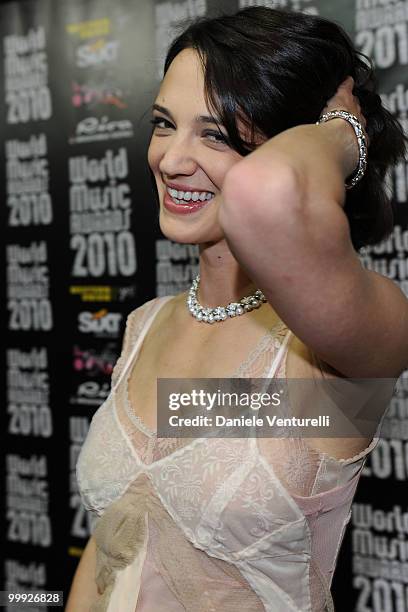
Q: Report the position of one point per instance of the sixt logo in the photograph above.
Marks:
(99, 323)
(97, 53)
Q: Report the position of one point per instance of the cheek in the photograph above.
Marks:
(153, 156)
(223, 168)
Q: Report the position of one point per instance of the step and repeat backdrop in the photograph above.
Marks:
(83, 248)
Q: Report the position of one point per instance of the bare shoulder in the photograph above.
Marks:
(166, 310)
(139, 315)
(144, 308)
(164, 326)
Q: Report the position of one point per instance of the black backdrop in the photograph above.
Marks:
(82, 249)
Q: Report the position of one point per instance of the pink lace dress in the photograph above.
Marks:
(211, 524)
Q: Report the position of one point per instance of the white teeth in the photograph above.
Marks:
(185, 196)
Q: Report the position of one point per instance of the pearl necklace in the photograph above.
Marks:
(221, 313)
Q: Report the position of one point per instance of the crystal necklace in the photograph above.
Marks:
(221, 313)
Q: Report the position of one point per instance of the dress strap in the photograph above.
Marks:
(279, 355)
(157, 305)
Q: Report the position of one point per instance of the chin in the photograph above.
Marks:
(178, 230)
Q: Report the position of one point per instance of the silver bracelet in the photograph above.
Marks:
(362, 143)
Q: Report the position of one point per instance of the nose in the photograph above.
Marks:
(178, 157)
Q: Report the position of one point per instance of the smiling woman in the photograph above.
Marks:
(242, 169)
(189, 154)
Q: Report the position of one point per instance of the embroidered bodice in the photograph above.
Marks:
(211, 524)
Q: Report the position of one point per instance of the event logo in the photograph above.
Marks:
(104, 293)
(27, 96)
(125, 293)
(94, 94)
(97, 53)
(26, 498)
(176, 266)
(168, 16)
(25, 576)
(94, 129)
(93, 390)
(100, 323)
(90, 29)
(29, 303)
(92, 362)
(91, 393)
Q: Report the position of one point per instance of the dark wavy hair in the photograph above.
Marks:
(273, 69)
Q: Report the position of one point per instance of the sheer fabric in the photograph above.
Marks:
(211, 524)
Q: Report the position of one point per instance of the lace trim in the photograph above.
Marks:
(136, 420)
(134, 325)
(261, 347)
(190, 443)
(355, 458)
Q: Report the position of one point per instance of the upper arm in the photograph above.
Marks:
(84, 591)
(354, 407)
(299, 252)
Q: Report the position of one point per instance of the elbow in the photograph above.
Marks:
(254, 194)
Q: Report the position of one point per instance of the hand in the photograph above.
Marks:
(344, 99)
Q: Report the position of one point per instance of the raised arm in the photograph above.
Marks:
(283, 217)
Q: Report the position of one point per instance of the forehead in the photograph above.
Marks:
(183, 84)
(182, 92)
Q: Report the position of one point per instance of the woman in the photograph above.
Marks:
(242, 170)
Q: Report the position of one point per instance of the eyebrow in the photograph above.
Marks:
(199, 118)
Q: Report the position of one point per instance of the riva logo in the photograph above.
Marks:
(97, 53)
(94, 129)
(101, 322)
(92, 390)
(102, 125)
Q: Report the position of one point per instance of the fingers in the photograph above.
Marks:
(348, 83)
(346, 100)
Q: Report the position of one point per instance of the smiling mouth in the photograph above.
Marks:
(189, 198)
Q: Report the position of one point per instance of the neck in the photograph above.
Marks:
(222, 280)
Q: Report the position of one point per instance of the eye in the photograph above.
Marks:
(217, 137)
(156, 121)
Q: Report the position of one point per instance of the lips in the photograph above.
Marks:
(185, 208)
